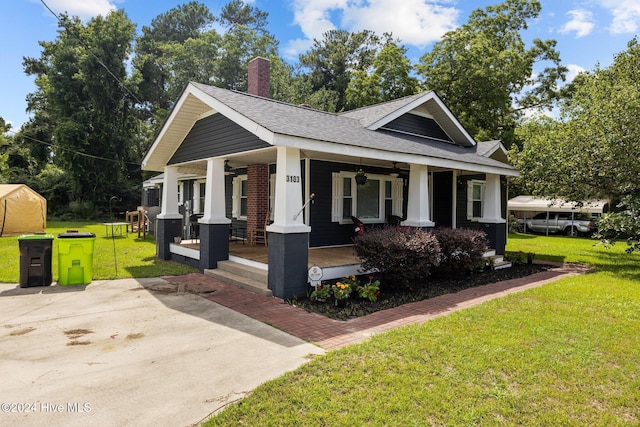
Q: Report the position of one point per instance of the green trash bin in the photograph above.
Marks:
(35, 259)
(75, 258)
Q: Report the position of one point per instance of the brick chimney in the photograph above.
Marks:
(259, 76)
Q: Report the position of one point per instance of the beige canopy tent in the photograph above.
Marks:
(22, 210)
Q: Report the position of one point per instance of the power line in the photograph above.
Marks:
(57, 147)
(122, 85)
(92, 53)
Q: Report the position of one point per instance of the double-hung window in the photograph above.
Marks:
(380, 197)
(239, 197)
(475, 199)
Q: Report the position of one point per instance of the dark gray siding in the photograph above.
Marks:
(461, 202)
(323, 231)
(215, 136)
(418, 125)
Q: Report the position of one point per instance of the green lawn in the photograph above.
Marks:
(566, 353)
(134, 257)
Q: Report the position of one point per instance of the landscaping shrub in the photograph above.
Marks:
(401, 255)
(461, 249)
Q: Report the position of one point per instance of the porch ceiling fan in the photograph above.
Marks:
(228, 170)
(400, 172)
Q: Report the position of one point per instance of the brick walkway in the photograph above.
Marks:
(333, 334)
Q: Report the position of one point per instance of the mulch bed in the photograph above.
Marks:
(434, 287)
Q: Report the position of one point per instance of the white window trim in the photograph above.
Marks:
(236, 196)
(197, 196)
(470, 184)
(337, 196)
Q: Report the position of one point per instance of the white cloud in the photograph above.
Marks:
(295, 47)
(574, 70)
(581, 22)
(414, 22)
(85, 9)
(626, 15)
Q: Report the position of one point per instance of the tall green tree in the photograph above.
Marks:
(153, 61)
(290, 84)
(245, 38)
(333, 60)
(82, 80)
(239, 45)
(486, 75)
(390, 79)
(238, 13)
(593, 149)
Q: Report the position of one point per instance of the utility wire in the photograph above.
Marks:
(92, 53)
(122, 85)
(79, 153)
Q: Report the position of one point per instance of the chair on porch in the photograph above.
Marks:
(258, 235)
(359, 225)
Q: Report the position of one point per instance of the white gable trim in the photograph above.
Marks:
(429, 96)
(193, 105)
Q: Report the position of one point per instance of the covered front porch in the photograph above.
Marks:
(305, 201)
(335, 262)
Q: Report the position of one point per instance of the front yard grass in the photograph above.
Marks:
(135, 257)
(566, 353)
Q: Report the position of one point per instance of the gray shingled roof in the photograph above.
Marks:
(371, 114)
(347, 129)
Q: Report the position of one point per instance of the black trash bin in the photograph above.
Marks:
(35, 259)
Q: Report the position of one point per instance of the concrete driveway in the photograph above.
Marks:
(130, 352)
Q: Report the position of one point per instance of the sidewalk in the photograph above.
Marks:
(333, 334)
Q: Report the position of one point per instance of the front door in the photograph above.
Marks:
(443, 199)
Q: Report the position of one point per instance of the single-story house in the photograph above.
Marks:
(250, 158)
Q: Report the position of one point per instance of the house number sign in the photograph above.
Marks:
(315, 275)
(293, 178)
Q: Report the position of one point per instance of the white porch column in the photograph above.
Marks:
(214, 225)
(492, 212)
(170, 194)
(288, 200)
(418, 203)
(214, 198)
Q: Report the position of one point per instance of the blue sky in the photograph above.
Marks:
(587, 31)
